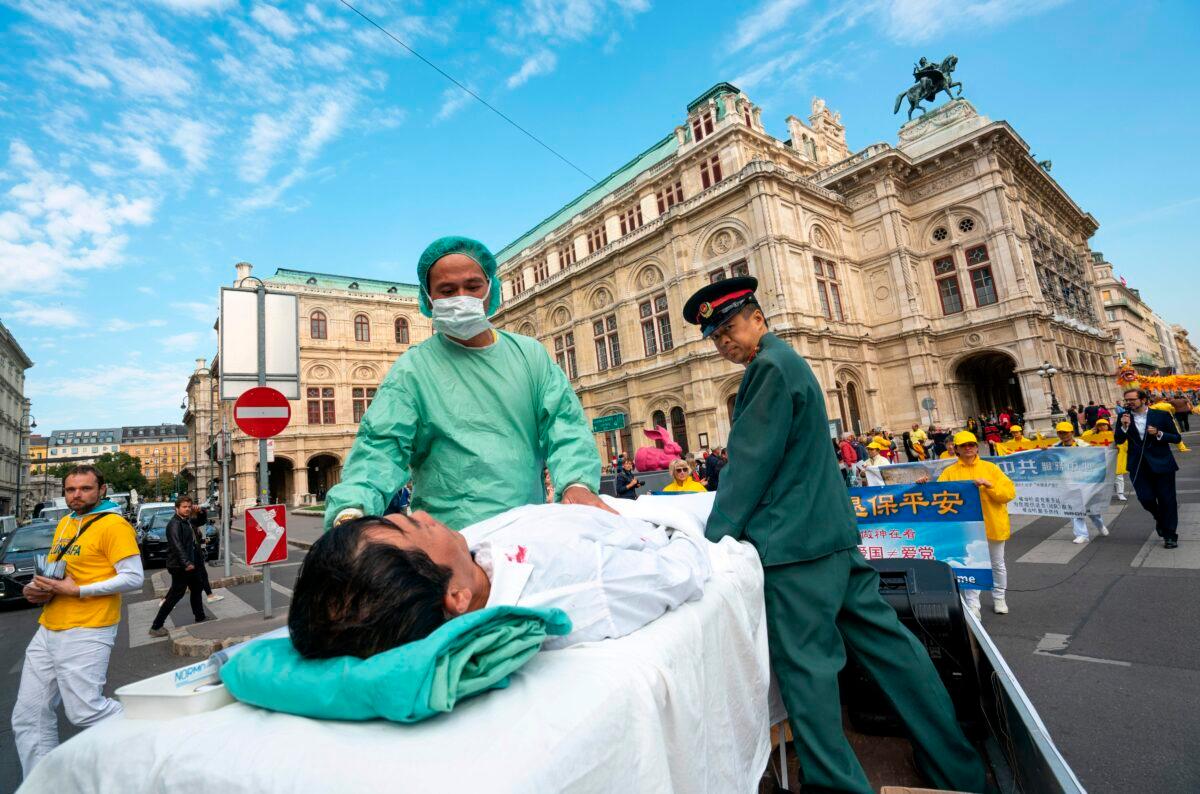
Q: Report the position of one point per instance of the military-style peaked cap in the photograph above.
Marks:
(714, 304)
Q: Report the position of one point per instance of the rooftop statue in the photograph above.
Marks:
(931, 79)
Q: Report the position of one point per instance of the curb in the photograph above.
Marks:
(184, 644)
(303, 545)
(161, 581)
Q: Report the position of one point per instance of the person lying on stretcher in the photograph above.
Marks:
(374, 583)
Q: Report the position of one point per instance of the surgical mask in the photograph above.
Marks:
(463, 316)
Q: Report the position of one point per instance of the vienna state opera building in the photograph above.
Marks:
(948, 266)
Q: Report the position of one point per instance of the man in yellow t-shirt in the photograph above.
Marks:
(996, 490)
(67, 659)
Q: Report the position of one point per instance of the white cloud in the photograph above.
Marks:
(147, 157)
(199, 7)
(453, 100)
(912, 21)
(275, 20)
(188, 340)
(767, 19)
(193, 139)
(314, 14)
(268, 133)
(202, 311)
(94, 396)
(44, 315)
(119, 325)
(146, 290)
(324, 125)
(539, 63)
(327, 55)
(86, 77)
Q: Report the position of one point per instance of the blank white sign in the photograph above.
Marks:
(239, 342)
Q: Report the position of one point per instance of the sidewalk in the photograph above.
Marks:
(201, 640)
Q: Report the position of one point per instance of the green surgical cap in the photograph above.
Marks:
(457, 245)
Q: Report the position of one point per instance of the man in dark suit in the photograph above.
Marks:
(781, 491)
(712, 469)
(1151, 465)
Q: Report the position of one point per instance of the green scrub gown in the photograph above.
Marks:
(782, 491)
(475, 426)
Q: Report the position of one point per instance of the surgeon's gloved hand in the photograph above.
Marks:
(577, 494)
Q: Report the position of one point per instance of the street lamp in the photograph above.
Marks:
(1047, 371)
(27, 424)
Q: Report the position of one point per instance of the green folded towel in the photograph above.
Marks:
(467, 655)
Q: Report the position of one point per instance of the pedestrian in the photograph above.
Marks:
(681, 479)
(626, 484)
(1151, 463)
(713, 467)
(1066, 438)
(181, 565)
(67, 659)
(996, 490)
(781, 494)
(1102, 436)
(1183, 410)
(1090, 415)
(948, 452)
(1073, 416)
(199, 521)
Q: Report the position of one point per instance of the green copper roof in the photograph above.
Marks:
(614, 181)
(716, 90)
(330, 281)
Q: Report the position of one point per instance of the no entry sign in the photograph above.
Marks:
(262, 412)
(266, 534)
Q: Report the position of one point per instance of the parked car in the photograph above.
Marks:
(7, 525)
(146, 508)
(152, 537)
(54, 514)
(16, 557)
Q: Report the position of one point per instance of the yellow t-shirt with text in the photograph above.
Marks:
(90, 558)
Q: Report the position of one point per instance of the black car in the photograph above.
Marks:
(16, 557)
(152, 537)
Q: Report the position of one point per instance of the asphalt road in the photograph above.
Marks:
(1103, 638)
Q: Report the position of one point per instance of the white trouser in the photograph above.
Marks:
(68, 667)
(1079, 525)
(1119, 482)
(999, 575)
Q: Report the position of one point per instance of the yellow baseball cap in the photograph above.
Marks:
(1102, 420)
(965, 437)
(875, 445)
(881, 441)
(1064, 427)
(1015, 429)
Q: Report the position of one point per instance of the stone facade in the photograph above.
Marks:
(161, 449)
(14, 430)
(1136, 330)
(950, 266)
(351, 332)
(1189, 356)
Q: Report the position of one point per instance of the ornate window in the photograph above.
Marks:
(564, 353)
(392, 290)
(353, 285)
(739, 268)
(966, 225)
(318, 327)
(710, 172)
(631, 219)
(597, 238)
(679, 428)
(668, 196)
(656, 325)
(608, 348)
(940, 234)
(541, 270)
(746, 115)
(702, 125)
(321, 405)
(360, 398)
(828, 291)
(518, 282)
(980, 269)
(716, 275)
(947, 285)
(362, 328)
(658, 419)
(312, 281)
(402, 330)
(566, 255)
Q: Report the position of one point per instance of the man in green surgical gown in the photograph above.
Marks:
(473, 412)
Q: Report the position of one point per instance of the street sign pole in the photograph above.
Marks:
(263, 475)
(226, 507)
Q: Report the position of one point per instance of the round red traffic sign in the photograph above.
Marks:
(262, 412)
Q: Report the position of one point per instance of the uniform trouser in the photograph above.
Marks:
(68, 667)
(1120, 486)
(182, 580)
(1156, 492)
(816, 610)
(1079, 525)
(999, 575)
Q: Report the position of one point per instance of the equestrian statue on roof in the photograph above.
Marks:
(931, 79)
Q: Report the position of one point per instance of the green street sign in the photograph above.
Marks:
(608, 423)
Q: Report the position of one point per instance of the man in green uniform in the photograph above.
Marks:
(475, 414)
(783, 493)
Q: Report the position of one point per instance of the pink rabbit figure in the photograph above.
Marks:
(657, 457)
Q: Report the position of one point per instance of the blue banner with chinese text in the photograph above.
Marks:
(931, 521)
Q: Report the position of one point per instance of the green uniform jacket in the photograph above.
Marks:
(782, 489)
(475, 426)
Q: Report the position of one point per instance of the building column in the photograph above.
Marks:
(300, 485)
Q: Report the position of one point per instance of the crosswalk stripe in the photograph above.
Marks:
(141, 616)
(230, 606)
(1153, 555)
(1060, 548)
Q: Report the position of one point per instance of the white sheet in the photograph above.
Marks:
(678, 706)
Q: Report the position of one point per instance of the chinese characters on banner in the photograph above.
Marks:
(1068, 482)
(934, 521)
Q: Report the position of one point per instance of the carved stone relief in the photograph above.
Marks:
(601, 298)
(819, 238)
(862, 198)
(724, 241)
(649, 277)
(560, 317)
(943, 182)
(872, 239)
(320, 371)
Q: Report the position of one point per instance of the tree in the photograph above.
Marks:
(122, 471)
(59, 470)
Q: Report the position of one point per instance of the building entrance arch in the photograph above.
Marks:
(987, 383)
(324, 472)
(280, 486)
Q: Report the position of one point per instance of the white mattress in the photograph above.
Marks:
(678, 706)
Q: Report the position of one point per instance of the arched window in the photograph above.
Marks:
(402, 330)
(852, 402)
(729, 403)
(362, 328)
(658, 419)
(318, 328)
(679, 428)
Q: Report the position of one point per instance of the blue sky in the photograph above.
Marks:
(148, 146)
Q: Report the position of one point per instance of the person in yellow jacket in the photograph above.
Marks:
(996, 490)
(1101, 435)
(1066, 438)
(949, 451)
(682, 482)
(1018, 443)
